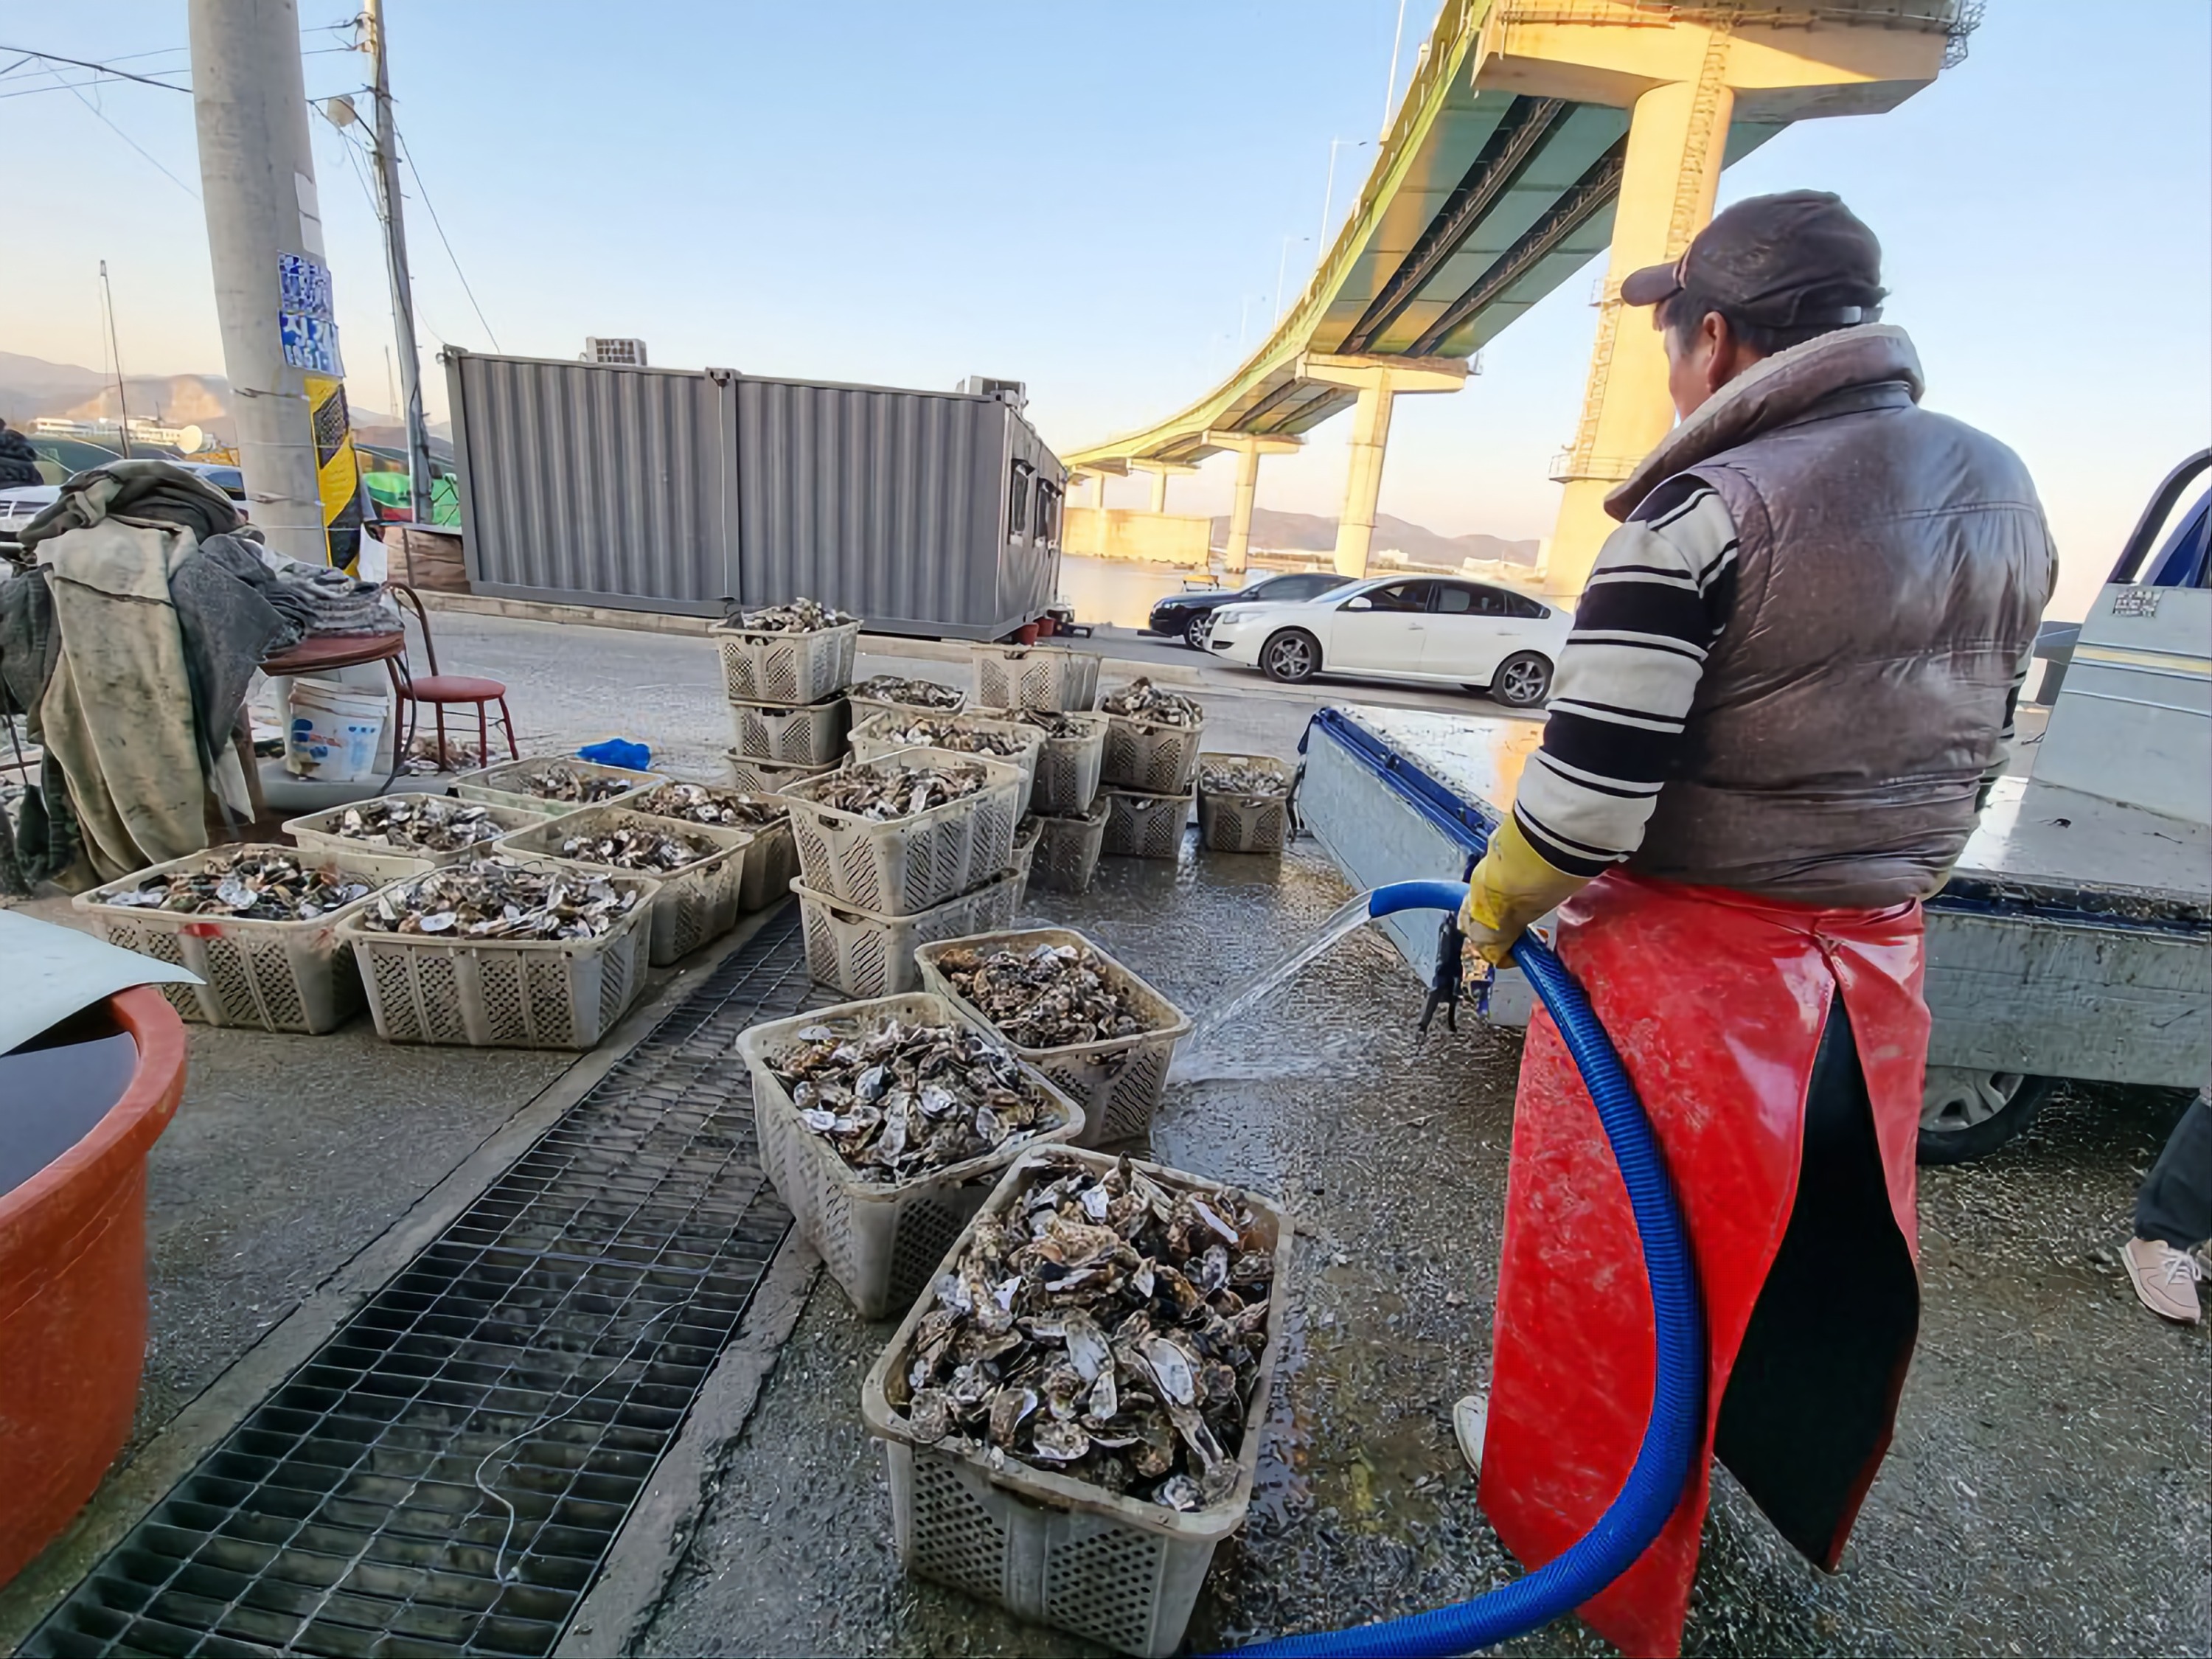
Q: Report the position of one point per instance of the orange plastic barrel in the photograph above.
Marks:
(73, 1295)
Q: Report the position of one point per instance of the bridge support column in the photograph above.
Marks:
(1161, 471)
(1378, 381)
(1248, 447)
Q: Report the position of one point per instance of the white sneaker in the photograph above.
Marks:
(2165, 1278)
(1470, 1422)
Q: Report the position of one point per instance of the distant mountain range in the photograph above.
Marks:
(1313, 533)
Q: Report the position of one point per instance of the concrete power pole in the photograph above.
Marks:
(258, 180)
(419, 473)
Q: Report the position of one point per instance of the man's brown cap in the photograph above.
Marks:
(1798, 259)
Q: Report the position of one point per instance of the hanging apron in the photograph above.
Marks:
(1718, 1004)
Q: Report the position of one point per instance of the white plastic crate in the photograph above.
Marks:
(1068, 847)
(1067, 768)
(1117, 1081)
(760, 777)
(270, 976)
(1144, 826)
(872, 740)
(771, 865)
(691, 905)
(867, 708)
(1026, 834)
(1116, 1570)
(864, 955)
(796, 734)
(786, 668)
(1146, 755)
(317, 835)
(498, 785)
(1034, 677)
(505, 993)
(881, 1241)
(1244, 824)
(899, 867)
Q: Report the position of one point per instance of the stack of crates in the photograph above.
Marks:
(1069, 810)
(788, 712)
(1151, 771)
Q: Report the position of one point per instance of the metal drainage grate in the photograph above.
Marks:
(447, 1474)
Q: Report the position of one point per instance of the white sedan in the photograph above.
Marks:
(1405, 628)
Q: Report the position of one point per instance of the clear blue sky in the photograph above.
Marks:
(1094, 201)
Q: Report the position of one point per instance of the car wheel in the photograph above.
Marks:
(1966, 1114)
(1292, 656)
(1523, 680)
(1195, 631)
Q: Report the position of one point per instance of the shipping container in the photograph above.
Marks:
(932, 514)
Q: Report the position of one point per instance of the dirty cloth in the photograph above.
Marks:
(313, 599)
(117, 712)
(141, 492)
(43, 842)
(228, 626)
(19, 462)
(1779, 1049)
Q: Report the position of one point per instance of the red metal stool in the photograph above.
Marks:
(439, 690)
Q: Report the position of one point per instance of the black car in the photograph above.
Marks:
(1187, 617)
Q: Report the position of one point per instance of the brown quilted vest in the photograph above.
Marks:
(1892, 566)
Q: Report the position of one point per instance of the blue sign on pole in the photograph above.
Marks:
(305, 321)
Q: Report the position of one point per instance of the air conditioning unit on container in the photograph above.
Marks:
(626, 354)
(1016, 392)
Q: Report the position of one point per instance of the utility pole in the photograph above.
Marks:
(115, 355)
(419, 473)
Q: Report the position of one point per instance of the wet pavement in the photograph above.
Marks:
(2047, 1492)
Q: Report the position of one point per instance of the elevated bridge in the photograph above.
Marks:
(1532, 137)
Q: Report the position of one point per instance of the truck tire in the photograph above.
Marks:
(1966, 1114)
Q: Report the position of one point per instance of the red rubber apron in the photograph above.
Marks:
(1716, 1002)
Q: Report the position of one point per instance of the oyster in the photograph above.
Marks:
(562, 782)
(957, 732)
(915, 693)
(253, 885)
(1052, 723)
(1242, 778)
(883, 793)
(636, 843)
(1054, 1341)
(500, 898)
(801, 616)
(1045, 997)
(910, 1099)
(420, 823)
(706, 803)
(1140, 700)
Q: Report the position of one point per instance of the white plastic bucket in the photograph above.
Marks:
(332, 731)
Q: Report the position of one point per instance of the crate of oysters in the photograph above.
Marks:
(884, 1124)
(886, 694)
(752, 776)
(701, 868)
(907, 830)
(259, 925)
(1072, 1418)
(1070, 1009)
(503, 952)
(1000, 738)
(859, 953)
(1067, 847)
(1034, 677)
(550, 785)
(789, 654)
(1069, 758)
(1244, 803)
(1152, 739)
(395, 835)
(770, 862)
(792, 734)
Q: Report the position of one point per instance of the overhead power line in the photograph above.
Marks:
(102, 118)
(86, 62)
(407, 153)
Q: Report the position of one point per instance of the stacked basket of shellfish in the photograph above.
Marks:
(785, 671)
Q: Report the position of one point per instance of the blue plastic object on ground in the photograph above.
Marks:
(1677, 1396)
(618, 751)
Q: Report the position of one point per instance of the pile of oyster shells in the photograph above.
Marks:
(500, 898)
(910, 1099)
(1046, 997)
(427, 823)
(915, 694)
(637, 843)
(801, 616)
(252, 886)
(883, 793)
(705, 803)
(560, 782)
(956, 732)
(1140, 700)
(1052, 722)
(1106, 1328)
(1242, 778)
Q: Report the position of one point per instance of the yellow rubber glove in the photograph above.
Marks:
(1512, 887)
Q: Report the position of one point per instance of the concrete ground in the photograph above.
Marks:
(2048, 1490)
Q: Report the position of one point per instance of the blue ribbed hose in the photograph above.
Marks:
(1676, 1427)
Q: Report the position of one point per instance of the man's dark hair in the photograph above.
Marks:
(1682, 313)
